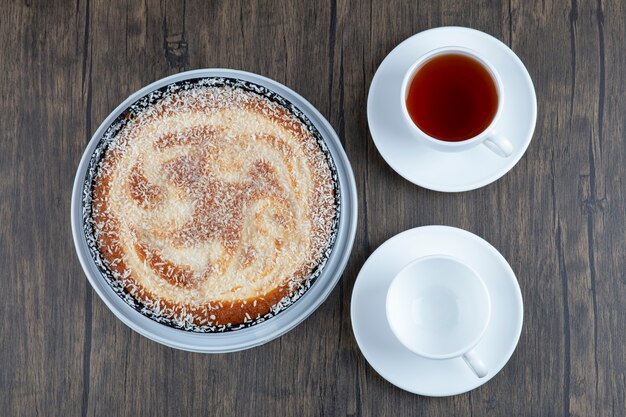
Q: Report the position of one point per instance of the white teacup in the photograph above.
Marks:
(490, 136)
(439, 308)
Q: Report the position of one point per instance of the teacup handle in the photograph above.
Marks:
(473, 361)
(499, 144)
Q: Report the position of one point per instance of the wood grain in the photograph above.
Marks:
(559, 216)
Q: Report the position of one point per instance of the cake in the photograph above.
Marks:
(212, 206)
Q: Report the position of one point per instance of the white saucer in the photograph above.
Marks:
(394, 362)
(436, 170)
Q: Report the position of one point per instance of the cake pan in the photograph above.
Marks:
(262, 332)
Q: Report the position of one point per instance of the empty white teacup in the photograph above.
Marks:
(439, 308)
(490, 136)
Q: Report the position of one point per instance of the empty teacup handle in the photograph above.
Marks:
(499, 144)
(473, 361)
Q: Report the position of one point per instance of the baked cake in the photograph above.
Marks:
(212, 205)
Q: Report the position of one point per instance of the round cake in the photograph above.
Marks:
(212, 206)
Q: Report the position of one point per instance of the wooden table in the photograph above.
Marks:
(559, 216)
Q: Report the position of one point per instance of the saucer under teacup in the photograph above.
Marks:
(452, 171)
(389, 357)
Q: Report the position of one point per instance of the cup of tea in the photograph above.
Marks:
(439, 308)
(452, 100)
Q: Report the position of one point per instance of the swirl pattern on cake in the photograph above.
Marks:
(212, 206)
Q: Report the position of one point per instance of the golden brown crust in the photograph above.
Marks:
(221, 210)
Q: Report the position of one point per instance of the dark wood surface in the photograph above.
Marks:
(559, 216)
